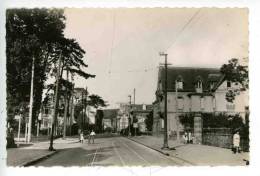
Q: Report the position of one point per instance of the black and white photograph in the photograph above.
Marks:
(127, 87)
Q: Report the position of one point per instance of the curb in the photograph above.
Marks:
(164, 153)
(33, 161)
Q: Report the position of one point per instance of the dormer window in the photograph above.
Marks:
(198, 84)
(212, 85)
(228, 84)
(179, 82)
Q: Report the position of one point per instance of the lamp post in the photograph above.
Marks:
(165, 141)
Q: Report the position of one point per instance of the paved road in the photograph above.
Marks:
(115, 151)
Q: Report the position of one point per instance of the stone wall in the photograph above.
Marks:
(217, 137)
(223, 137)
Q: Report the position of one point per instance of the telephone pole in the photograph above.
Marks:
(165, 142)
(129, 119)
(134, 96)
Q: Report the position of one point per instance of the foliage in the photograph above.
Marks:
(29, 34)
(108, 130)
(237, 74)
(149, 121)
(38, 34)
(187, 120)
(217, 120)
(99, 118)
(96, 101)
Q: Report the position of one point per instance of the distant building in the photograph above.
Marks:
(47, 113)
(110, 118)
(141, 112)
(127, 113)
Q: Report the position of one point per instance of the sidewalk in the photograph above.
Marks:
(23, 156)
(194, 154)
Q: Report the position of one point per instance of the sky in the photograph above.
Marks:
(122, 45)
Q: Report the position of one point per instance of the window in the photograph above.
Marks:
(179, 82)
(214, 103)
(230, 106)
(201, 103)
(180, 103)
(199, 84)
(212, 84)
(180, 85)
(228, 84)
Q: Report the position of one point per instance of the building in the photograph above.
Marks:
(128, 112)
(140, 112)
(193, 90)
(47, 112)
(110, 118)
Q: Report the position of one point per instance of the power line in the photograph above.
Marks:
(112, 43)
(184, 27)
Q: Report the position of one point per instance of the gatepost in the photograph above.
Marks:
(197, 128)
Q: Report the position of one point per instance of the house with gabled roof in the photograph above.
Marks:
(193, 90)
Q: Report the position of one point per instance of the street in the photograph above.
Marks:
(116, 151)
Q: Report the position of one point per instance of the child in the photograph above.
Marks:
(81, 137)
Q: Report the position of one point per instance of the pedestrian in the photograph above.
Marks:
(236, 142)
(185, 137)
(189, 137)
(92, 136)
(81, 137)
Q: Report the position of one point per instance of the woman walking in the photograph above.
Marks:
(236, 142)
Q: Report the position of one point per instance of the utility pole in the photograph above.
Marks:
(134, 96)
(83, 113)
(86, 104)
(176, 114)
(165, 142)
(129, 119)
(31, 104)
(56, 104)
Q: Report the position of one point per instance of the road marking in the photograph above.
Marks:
(94, 157)
(121, 159)
(139, 156)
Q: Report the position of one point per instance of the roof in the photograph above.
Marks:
(110, 113)
(189, 76)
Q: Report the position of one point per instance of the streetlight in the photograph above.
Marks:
(165, 142)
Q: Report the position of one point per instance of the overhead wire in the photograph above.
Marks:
(184, 27)
(151, 68)
(112, 42)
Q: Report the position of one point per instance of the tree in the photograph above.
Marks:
(96, 101)
(99, 118)
(37, 33)
(149, 121)
(237, 74)
(29, 33)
